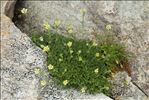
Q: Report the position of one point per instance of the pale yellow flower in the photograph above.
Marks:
(41, 38)
(70, 31)
(45, 48)
(96, 70)
(103, 56)
(87, 44)
(57, 23)
(43, 82)
(46, 25)
(80, 58)
(79, 51)
(50, 67)
(65, 70)
(36, 70)
(24, 10)
(69, 44)
(60, 59)
(82, 11)
(108, 27)
(94, 43)
(65, 82)
(83, 89)
(97, 54)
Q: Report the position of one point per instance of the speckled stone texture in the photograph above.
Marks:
(18, 58)
(125, 89)
(129, 20)
(7, 7)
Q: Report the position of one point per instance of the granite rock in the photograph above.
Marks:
(7, 7)
(125, 89)
(19, 56)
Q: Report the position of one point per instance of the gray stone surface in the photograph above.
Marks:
(129, 20)
(7, 7)
(124, 89)
(19, 56)
(52, 92)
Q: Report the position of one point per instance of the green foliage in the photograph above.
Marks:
(81, 64)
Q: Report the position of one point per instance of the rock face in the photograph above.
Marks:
(125, 89)
(19, 58)
(7, 8)
(129, 20)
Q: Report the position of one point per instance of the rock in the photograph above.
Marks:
(67, 12)
(124, 88)
(7, 8)
(19, 56)
(129, 20)
(52, 92)
(92, 97)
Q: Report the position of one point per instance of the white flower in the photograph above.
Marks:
(69, 44)
(80, 58)
(43, 82)
(83, 89)
(45, 48)
(41, 38)
(60, 59)
(71, 51)
(24, 10)
(46, 25)
(65, 82)
(70, 31)
(96, 70)
(108, 27)
(50, 67)
(57, 23)
(97, 54)
(103, 56)
(94, 43)
(87, 44)
(82, 11)
(36, 70)
(79, 51)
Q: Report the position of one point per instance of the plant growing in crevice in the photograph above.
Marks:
(86, 65)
